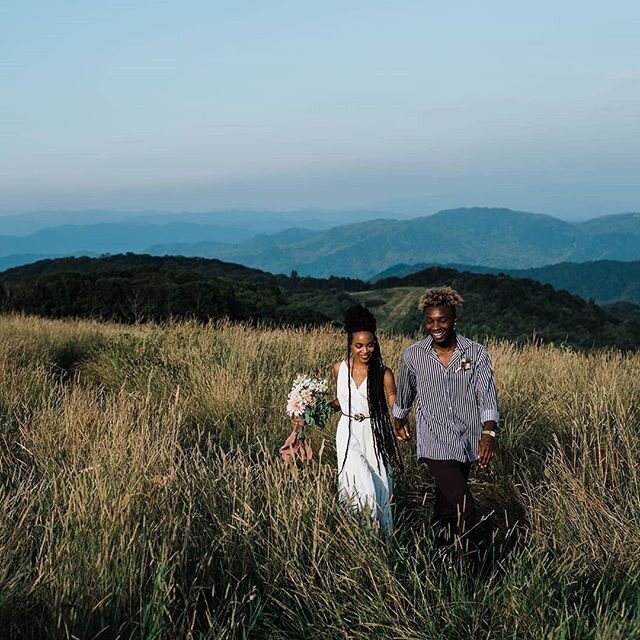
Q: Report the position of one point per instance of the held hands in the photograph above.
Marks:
(402, 430)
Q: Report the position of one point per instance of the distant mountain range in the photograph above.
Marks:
(27, 237)
(249, 222)
(500, 238)
(475, 239)
(113, 237)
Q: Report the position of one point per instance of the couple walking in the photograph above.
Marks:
(450, 381)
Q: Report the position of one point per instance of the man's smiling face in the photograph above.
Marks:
(440, 323)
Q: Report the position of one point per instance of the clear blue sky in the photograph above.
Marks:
(407, 106)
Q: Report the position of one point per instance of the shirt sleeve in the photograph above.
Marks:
(486, 389)
(406, 390)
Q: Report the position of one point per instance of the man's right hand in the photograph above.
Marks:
(402, 430)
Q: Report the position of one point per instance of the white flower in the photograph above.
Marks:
(304, 394)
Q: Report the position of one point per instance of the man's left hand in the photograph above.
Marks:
(486, 450)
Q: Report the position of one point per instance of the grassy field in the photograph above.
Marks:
(142, 497)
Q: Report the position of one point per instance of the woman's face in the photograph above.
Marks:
(362, 346)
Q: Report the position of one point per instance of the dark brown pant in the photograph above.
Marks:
(454, 510)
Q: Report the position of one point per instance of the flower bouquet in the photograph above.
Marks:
(308, 401)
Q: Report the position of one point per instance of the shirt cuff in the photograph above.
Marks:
(489, 414)
(399, 413)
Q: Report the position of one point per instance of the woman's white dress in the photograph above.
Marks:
(363, 479)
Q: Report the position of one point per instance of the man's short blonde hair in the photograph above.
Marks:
(440, 297)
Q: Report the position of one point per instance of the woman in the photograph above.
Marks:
(365, 441)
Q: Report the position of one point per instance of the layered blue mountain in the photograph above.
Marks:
(113, 237)
(500, 238)
(27, 237)
(249, 222)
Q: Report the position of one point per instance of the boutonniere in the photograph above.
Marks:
(465, 363)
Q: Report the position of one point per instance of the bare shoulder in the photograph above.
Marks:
(336, 368)
(388, 375)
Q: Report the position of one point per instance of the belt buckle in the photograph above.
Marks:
(359, 417)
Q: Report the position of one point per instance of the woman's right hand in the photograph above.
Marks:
(297, 423)
(402, 430)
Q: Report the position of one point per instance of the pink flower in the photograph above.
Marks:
(295, 406)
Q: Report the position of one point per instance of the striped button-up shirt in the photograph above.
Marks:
(452, 402)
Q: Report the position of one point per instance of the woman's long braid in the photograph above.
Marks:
(383, 432)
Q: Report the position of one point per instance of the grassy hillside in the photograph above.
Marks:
(142, 496)
(391, 306)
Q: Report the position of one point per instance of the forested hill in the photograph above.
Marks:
(504, 306)
(201, 267)
(134, 288)
(606, 281)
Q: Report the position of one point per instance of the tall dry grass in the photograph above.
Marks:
(141, 496)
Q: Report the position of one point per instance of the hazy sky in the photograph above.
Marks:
(398, 106)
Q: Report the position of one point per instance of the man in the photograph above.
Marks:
(451, 380)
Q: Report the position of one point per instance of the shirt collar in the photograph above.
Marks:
(463, 343)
